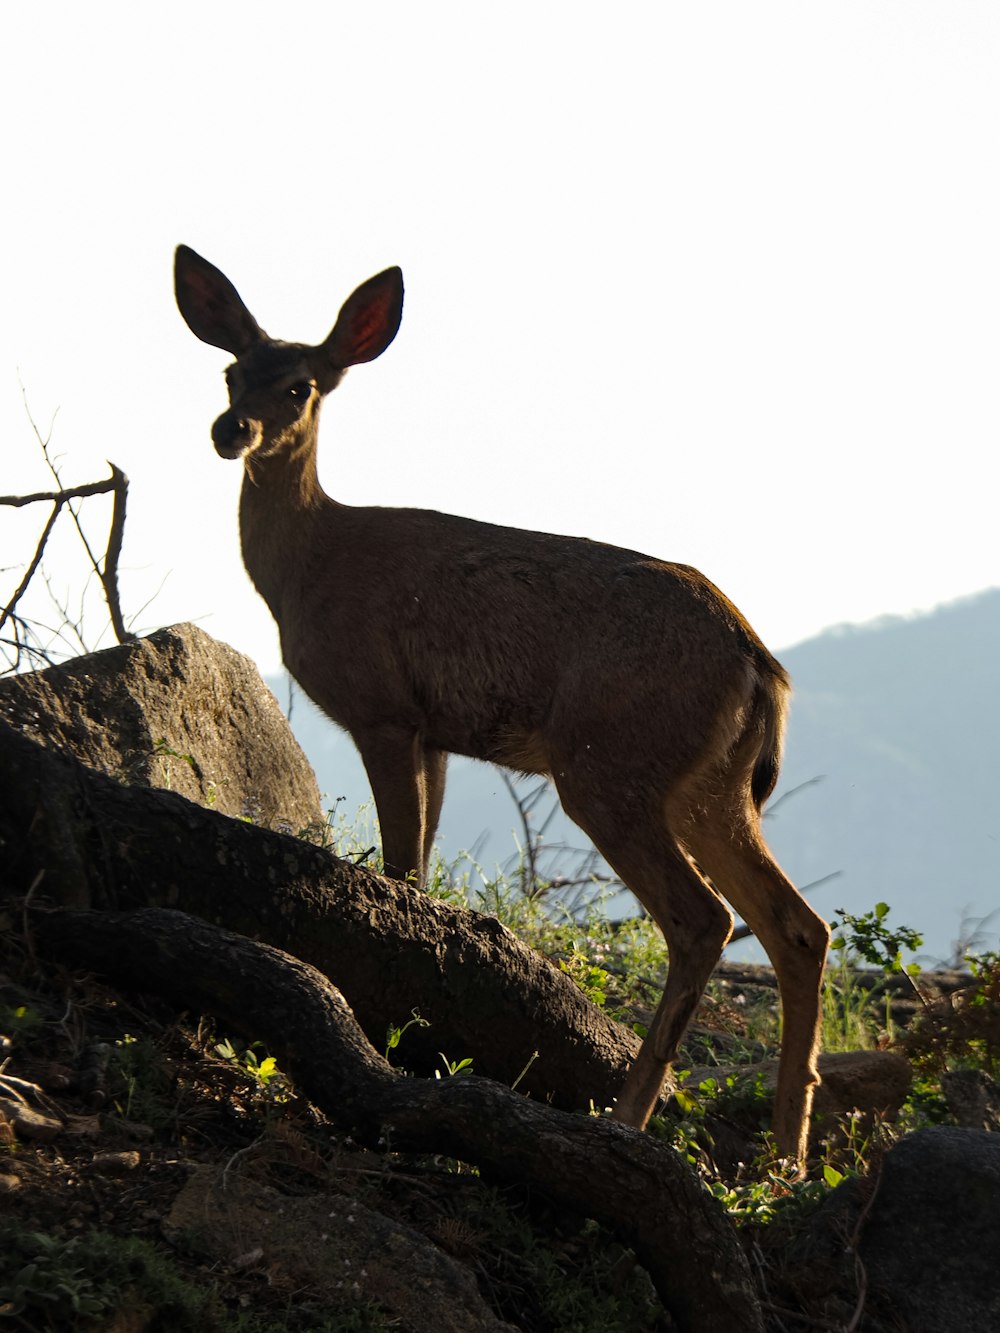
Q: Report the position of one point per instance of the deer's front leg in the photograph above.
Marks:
(395, 762)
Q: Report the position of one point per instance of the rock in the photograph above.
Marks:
(51, 1075)
(333, 1244)
(874, 1083)
(177, 710)
(27, 1123)
(115, 1163)
(84, 1126)
(973, 1098)
(927, 1231)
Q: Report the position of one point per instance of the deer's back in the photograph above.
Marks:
(481, 637)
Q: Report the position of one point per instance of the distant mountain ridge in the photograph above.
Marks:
(900, 720)
(891, 772)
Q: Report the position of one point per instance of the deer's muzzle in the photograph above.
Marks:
(235, 436)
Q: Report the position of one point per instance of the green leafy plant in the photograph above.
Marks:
(394, 1035)
(770, 1191)
(140, 1081)
(589, 976)
(870, 938)
(453, 1067)
(849, 1022)
(51, 1287)
(271, 1089)
(261, 1071)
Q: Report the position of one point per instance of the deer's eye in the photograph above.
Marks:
(301, 389)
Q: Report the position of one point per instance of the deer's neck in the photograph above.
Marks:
(281, 503)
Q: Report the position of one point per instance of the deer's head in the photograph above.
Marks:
(275, 388)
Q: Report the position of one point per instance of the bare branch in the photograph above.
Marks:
(64, 494)
(107, 571)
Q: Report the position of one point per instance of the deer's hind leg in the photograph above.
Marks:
(635, 840)
(726, 840)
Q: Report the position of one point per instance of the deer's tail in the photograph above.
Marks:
(768, 715)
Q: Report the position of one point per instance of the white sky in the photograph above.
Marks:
(720, 282)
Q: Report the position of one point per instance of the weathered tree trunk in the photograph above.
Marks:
(641, 1189)
(388, 947)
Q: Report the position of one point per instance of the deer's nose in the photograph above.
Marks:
(233, 435)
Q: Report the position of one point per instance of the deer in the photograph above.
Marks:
(632, 683)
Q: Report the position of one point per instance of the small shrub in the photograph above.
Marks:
(849, 1022)
(962, 1031)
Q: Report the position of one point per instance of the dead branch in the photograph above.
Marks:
(106, 569)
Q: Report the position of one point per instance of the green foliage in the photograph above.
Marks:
(849, 1022)
(768, 1194)
(265, 1074)
(140, 1082)
(741, 1098)
(620, 965)
(925, 1104)
(49, 1284)
(354, 839)
(394, 1035)
(590, 977)
(453, 1067)
(868, 937)
(20, 1022)
(764, 1190)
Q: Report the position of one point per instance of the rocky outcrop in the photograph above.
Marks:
(914, 1244)
(177, 710)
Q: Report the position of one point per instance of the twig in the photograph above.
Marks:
(860, 1273)
(809, 1319)
(22, 587)
(523, 805)
(240, 1152)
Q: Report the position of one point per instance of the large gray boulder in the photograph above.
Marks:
(177, 710)
(926, 1229)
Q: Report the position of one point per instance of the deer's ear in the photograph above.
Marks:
(368, 321)
(211, 305)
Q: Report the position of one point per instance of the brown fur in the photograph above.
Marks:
(634, 683)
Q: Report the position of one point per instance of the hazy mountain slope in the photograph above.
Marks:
(899, 721)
